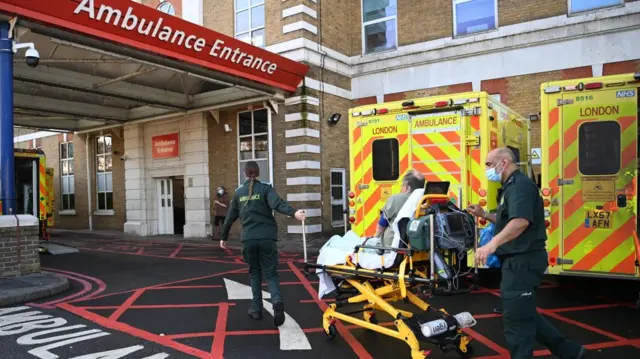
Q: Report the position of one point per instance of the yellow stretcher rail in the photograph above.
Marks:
(376, 289)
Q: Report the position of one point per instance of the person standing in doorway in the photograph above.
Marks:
(520, 243)
(253, 203)
(220, 209)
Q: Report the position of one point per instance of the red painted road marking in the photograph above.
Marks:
(158, 306)
(581, 325)
(240, 270)
(125, 328)
(176, 251)
(127, 303)
(101, 285)
(86, 287)
(217, 347)
(504, 353)
(346, 334)
(189, 287)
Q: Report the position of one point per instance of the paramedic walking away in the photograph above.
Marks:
(520, 243)
(220, 209)
(254, 203)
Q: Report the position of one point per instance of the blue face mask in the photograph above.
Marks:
(493, 175)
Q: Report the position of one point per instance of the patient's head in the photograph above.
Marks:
(412, 181)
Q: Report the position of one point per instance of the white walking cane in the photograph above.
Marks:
(304, 241)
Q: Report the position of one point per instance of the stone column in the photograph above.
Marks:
(196, 177)
(135, 181)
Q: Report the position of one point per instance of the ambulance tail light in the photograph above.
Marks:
(352, 219)
(352, 203)
(352, 195)
(483, 202)
(482, 221)
(441, 104)
(594, 86)
(547, 203)
(547, 223)
(546, 192)
(383, 111)
(482, 193)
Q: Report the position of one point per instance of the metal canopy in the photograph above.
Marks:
(82, 83)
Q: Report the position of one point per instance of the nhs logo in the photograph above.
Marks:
(625, 93)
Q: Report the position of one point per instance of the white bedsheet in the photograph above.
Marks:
(339, 248)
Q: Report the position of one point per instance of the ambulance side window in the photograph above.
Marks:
(599, 148)
(385, 159)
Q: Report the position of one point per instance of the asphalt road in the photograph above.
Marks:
(154, 300)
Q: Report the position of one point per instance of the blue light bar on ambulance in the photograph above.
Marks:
(552, 89)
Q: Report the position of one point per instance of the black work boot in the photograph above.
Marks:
(278, 313)
(255, 314)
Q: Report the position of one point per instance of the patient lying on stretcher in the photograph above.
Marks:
(339, 248)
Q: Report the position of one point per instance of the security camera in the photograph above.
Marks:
(32, 55)
(123, 158)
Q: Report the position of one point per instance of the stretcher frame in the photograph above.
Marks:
(376, 289)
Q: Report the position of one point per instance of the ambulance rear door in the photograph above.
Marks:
(385, 159)
(436, 149)
(598, 152)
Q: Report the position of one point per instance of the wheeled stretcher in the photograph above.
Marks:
(410, 267)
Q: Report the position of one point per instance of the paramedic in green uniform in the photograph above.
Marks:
(254, 203)
(520, 243)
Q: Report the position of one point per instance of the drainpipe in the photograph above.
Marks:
(88, 165)
(7, 160)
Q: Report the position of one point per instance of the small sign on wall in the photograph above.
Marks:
(165, 146)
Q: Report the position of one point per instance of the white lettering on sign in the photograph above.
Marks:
(48, 339)
(131, 22)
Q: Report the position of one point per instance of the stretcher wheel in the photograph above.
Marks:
(333, 332)
(467, 354)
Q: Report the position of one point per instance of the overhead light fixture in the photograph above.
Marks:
(334, 118)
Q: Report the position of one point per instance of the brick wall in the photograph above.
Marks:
(218, 15)
(335, 28)
(434, 19)
(18, 250)
(516, 11)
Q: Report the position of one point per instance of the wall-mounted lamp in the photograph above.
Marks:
(534, 118)
(334, 118)
(227, 128)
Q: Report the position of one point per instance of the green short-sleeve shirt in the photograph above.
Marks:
(521, 198)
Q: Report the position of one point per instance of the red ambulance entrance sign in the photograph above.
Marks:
(165, 146)
(129, 23)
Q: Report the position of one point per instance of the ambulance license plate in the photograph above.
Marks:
(598, 219)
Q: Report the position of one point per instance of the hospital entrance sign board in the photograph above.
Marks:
(144, 28)
(165, 146)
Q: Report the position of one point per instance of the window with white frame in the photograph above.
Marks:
(379, 25)
(253, 143)
(249, 21)
(471, 16)
(66, 177)
(338, 196)
(577, 6)
(104, 166)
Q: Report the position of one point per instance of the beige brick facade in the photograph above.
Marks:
(305, 147)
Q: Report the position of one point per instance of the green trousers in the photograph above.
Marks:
(523, 325)
(262, 257)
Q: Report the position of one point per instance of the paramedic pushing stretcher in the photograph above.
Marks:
(520, 243)
(254, 203)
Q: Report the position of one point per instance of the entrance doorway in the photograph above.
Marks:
(171, 215)
(26, 180)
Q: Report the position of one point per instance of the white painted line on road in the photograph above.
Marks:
(291, 335)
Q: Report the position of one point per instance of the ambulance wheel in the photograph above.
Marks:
(333, 332)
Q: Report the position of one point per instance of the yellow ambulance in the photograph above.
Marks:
(444, 137)
(589, 171)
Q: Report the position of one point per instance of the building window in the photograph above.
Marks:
(167, 8)
(104, 172)
(577, 6)
(250, 21)
(254, 143)
(66, 176)
(599, 144)
(379, 25)
(386, 160)
(471, 16)
(338, 196)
